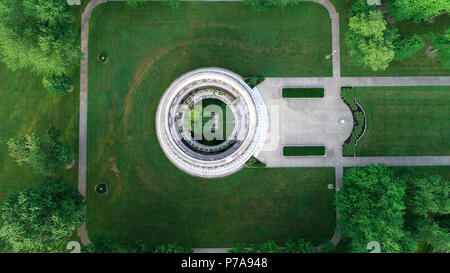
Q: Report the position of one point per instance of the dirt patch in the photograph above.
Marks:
(143, 68)
(114, 168)
(431, 52)
(433, 19)
(391, 20)
(139, 75)
(383, 9)
(70, 166)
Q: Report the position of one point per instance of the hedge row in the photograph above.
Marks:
(349, 148)
(303, 93)
(303, 150)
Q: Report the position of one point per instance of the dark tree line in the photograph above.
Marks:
(395, 209)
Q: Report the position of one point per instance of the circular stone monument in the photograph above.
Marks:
(210, 122)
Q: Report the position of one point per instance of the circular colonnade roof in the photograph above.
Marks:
(249, 130)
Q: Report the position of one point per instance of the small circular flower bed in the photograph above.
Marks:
(101, 188)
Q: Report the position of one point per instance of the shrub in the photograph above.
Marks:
(59, 85)
(42, 156)
(418, 10)
(254, 81)
(173, 248)
(303, 150)
(361, 6)
(299, 246)
(134, 3)
(348, 95)
(101, 244)
(303, 93)
(264, 4)
(442, 44)
(407, 46)
(254, 163)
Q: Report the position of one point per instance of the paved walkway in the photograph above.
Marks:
(82, 145)
(396, 81)
(335, 33)
(317, 116)
(304, 121)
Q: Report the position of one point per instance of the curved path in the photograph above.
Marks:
(272, 85)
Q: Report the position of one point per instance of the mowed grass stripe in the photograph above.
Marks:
(405, 121)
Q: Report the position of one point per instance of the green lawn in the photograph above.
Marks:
(148, 197)
(418, 65)
(304, 151)
(405, 121)
(303, 92)
(443, 171)
(26, 107)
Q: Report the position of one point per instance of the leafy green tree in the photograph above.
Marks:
(173, 4)
(427, 194)
(328, 247)
(427, 208)
(254, 81)
(419, 10)
(265, 247)
(443, 221)
(42, 156)
(134, 3)
(143, 246)
(5, 247)
(38, 35)
(299, 246)
(41, 219)
(57, 154)
(58, 85)
(441, 42)
(407, 46)
(101, 244)
(369, 41)
(268, 247)
(172, 248)
(371, 208)
(26, 150)
(434, 235)
(361, 6)
(263, 4)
